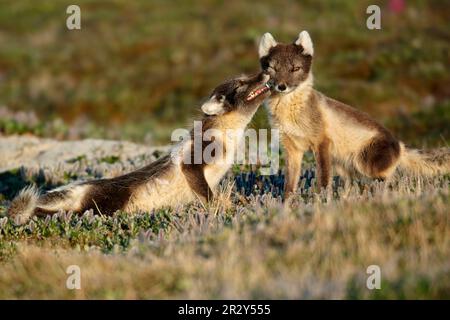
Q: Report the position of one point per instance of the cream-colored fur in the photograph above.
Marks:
(168, 190)
(169, 181)
(22, 207)
(429, 163)
(159, 193)
(348, 136)
(72, 201)
(336, 133)
(288, 114)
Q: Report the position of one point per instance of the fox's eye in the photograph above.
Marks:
(296, 68)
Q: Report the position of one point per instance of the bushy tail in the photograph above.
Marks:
(29, 202)
(425, 162)
(23, 205)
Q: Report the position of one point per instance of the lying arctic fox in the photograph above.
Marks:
(175, 179)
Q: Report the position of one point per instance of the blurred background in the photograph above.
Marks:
(139, 69)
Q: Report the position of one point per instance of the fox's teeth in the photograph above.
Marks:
(257, 92)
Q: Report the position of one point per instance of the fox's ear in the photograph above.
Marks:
(305, 41)
(267, 42)
(214, 106)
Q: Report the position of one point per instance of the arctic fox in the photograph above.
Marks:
(172, 180)
(336, 133)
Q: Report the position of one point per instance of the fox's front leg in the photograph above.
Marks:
(323, 163)
(294, 157)
(195, 177)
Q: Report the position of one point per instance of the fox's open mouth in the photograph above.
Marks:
(257, 92)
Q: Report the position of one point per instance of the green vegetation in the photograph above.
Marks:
(139, 69)
(242, 248)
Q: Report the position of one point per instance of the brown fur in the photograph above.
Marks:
(381, 152)
(294, 156)
(323, 158)
(197, 181)
(357, 115)
(334, 131)
(379, 156)
(283, 70)
(107, 196)
(165, 182)
(194, 172)
(52, 197)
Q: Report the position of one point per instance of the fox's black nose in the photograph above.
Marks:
(281, 87)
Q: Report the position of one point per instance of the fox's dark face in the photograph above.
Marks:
(287, 64)
(242, 94)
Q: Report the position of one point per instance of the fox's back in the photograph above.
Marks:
(349, 129)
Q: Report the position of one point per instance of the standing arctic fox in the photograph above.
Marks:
(334, 131)
(172, 180)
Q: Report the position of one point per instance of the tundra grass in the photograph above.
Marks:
(317, 246)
